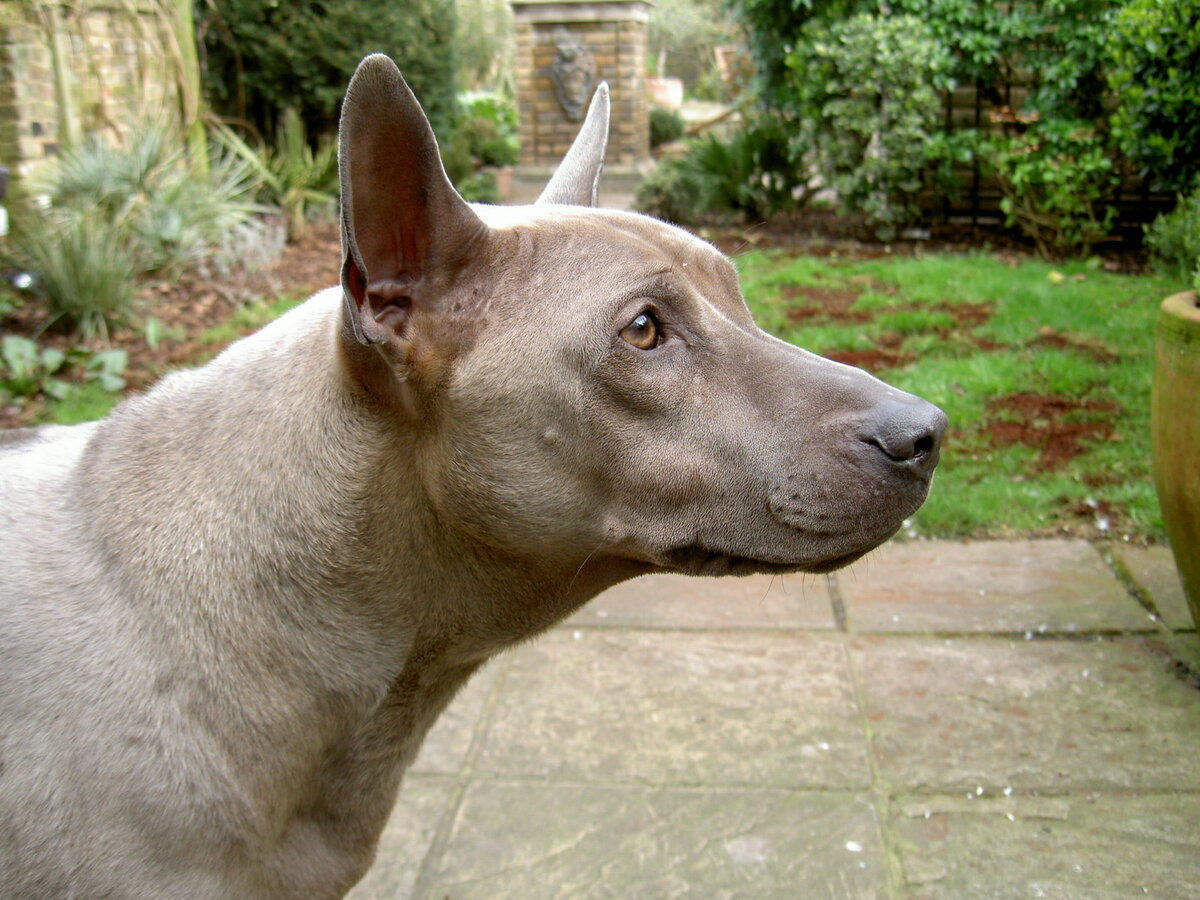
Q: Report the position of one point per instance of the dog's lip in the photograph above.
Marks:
(700, 560)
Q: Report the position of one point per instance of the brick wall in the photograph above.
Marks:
(121, 74)
(614, 35)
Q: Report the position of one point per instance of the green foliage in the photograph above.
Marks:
(682, 36)
(479, 187)
(671, 193)
(1156, 58)
(164, 210)
(666, 126)
(293, 176)
(866, 93)
(1056, 178)
(1061, 44)
(263, 57)
(485, 44)
(117, 213)
(773, 29)
(106, 368)
(1059, 47)
(27, 370)
(298, 178)
(748, 175)
(1174, 238)
(81, 264)
(487, 124)
(485, 136)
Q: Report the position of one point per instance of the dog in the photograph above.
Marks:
(232, 610)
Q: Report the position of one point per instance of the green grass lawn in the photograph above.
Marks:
(1043, 369)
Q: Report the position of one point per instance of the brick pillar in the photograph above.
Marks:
(606, 39)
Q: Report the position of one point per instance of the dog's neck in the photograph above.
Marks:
(389, 573)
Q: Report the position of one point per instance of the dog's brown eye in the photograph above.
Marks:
(642, 332)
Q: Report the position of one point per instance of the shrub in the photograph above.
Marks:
(1156, 55)
(1059, 46)
(166, 212)
(292, 175)
(82, 265)
(479, 187)
(671, 192)
(262, 58)
(666, 126)
(485, 135)
(1174, 238)
(1056, 178)
(749, 175)
(866, 92)
(773, 28)
(115, 214)
(487, 124)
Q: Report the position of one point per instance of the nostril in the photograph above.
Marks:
(886, 449)
(909, 433)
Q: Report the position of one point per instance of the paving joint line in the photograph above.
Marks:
(879, 790)
(837, 602)
(1125, 578)
(423, 883)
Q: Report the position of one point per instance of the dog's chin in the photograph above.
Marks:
(699, 560)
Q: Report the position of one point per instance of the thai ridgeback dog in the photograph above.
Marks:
(230, 612)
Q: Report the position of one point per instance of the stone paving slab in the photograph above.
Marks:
(679, 708)
(679, 601)
(1094, 847)
(735, 739)
(407, 839)
(1153, 570)
(1185, 650)
(991, 586)
(540, 842)
(1051, 715)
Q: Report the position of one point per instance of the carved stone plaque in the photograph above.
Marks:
(573, 72)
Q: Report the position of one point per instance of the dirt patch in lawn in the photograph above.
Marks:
(1058, 427)
(1049, 337)
(824, 304)
(812, 305)
(871, 360)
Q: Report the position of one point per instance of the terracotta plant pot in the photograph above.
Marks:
(1175, 432)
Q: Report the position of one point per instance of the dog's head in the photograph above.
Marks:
(590, 382)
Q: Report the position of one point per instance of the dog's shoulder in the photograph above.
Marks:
(29, 455)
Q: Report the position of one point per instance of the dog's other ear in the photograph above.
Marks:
(576, 181)
(405, 229)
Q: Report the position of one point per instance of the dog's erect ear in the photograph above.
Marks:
(576, 181)
(405, 228)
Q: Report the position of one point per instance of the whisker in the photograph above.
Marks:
(586, 560)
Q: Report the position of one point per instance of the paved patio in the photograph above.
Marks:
(943, 720)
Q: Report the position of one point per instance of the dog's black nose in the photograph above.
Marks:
(908, 432)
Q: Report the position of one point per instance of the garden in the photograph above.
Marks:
(1002, 256)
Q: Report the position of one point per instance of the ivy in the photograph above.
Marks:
(1056, 177)
(867, 93)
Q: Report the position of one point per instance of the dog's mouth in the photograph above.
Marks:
(699, 560)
